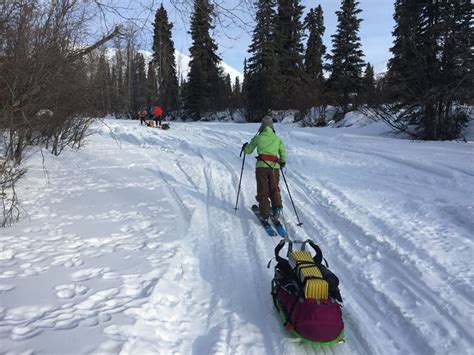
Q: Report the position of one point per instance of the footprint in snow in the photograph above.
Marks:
(70, 290)
(8, 274)
(5, 288)
(32, 230)
(67, 261)
(87, 274)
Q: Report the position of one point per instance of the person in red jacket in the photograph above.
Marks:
(158, 114)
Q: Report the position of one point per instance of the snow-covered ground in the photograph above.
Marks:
(132, 245)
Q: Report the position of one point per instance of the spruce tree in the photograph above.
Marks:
(345, 80)
(152, 87)
(237, 94)
(260, 86)
(138, 83)
(164, 61)
(102, 86)
(457, 49)
(227, 91)
(244, 90)
(120, 82)
(315, 51)
(127, 80)
(430, 73)
(290, 53)
(114, 104)
(400, 73)
(369, 86)
(205, 76)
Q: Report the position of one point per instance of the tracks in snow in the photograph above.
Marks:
(236, 246)
(371, 253)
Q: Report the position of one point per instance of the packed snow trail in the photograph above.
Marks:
(133, 246)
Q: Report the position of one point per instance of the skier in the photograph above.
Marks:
(158, 113)
(271, 157)
(143, 116)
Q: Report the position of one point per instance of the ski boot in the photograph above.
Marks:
(276, 212)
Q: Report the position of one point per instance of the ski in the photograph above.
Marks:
(268, 228)
(279, 227)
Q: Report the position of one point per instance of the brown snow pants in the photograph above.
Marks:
(267, 188)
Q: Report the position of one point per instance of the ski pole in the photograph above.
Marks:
(240, 181)
(284, 179)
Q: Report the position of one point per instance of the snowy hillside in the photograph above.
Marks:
(182, 66)
(132, 246)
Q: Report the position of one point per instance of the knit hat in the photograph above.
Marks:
(267, 121)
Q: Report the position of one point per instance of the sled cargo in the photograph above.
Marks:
(306, 294)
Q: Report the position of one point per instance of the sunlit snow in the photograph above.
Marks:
(132, 245)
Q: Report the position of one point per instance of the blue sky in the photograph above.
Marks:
(233, 41)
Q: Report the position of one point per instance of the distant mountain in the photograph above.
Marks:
(182, 66)
(381, 69)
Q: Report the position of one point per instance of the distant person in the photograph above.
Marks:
(158, 115)
(271, 157)
(143, 116)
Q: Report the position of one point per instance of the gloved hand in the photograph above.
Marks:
(282, 164)
(244, 145)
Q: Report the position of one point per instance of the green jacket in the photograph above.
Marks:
(267, 142)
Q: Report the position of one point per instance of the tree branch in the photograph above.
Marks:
(87, 50)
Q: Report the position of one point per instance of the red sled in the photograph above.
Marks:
(317, 320)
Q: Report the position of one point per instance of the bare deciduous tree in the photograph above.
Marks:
(47, 62)
(44, 82)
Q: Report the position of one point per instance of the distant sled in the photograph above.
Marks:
(306, 294)
(152, 123)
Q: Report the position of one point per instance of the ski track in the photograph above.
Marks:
(193, 272)
(264, 249)
(364, 232)
(385, 305)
